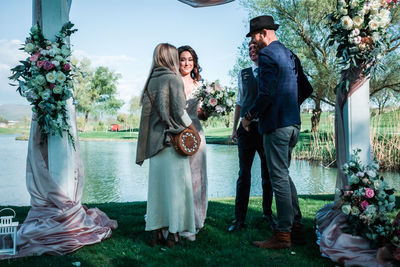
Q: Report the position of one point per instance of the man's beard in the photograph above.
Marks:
(261, 44)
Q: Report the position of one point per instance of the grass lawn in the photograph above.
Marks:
(122, 136)
(214, 246)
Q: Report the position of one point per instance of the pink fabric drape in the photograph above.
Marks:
(205, 3)
(55, 223)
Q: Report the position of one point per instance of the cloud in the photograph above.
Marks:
(133, 73)
(9, 57)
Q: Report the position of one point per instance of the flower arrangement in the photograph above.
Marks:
(359, 27)
(367, 200)
(45, 79)
(215, 99)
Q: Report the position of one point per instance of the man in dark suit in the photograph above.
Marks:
(282, 88)
(249, 142)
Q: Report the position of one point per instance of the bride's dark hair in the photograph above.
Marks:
(195, 73)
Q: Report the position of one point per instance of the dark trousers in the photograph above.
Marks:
(278, 146)
(248, 144)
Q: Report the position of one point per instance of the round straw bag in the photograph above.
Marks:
(187, 142)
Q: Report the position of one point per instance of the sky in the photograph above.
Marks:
(122, 35)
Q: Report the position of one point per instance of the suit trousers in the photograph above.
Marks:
(278, 147)
(248, 144)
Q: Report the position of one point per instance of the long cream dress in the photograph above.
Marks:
(198, 164)
(170, 197)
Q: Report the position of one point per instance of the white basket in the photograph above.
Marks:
(8, 227)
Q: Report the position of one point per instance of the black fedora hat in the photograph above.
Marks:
(262, 22)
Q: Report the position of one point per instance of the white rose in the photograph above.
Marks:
(375, 5)
(373, 25)
(57, 89)
(29, 47)
(354, 3)
(347, 22)
(343, 10)
(346, 209)
(60, 76)
(358, 21)
(51, 77)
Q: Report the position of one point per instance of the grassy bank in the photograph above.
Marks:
(214, 245)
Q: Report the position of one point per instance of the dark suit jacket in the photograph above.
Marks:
(282, 88)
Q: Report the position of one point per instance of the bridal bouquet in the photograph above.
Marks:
(45, 79)
(216, 100)
(359, 28)
(367, 201)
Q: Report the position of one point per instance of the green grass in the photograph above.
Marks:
(108, 135)
(214, 246)
(13, 130)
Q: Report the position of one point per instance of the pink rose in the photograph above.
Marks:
(39, 64)
(213, 102)
(51, 86)
(35, 57)
(47, 65)
(364, 204)
(369, 193)
(67, 67)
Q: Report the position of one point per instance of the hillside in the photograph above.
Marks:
(15, 112)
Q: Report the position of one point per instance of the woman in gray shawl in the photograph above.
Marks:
(170, 207)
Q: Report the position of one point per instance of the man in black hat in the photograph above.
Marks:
(249, 142)
(282, 88)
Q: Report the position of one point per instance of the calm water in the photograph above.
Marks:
(112, 175)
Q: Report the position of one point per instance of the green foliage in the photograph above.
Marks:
(96, 90)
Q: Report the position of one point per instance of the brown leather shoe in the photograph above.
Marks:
(297, 235)
(278, 240)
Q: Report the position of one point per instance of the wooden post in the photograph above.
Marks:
(51, 16)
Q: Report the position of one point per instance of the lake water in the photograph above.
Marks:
(112, 175)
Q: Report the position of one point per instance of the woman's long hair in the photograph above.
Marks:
(195, 73)
(164, 55)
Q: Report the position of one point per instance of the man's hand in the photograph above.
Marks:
(234, 134)
(245, 124)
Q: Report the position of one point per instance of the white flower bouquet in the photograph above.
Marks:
(215, 99)
(45, 79)
(367, 200)
(359, 29)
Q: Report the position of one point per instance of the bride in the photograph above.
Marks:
(190, 71)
